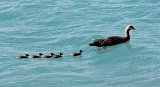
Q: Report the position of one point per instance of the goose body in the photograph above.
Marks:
(57, 55)
(37, 56)
(113, 40)
(49, 56)
(76, 53)
(23, 56)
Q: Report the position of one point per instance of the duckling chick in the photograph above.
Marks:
(23, 56)
(57, 55)
(49, 56)
(37, 56)
(76, 53)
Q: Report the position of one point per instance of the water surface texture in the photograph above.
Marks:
(33, 26)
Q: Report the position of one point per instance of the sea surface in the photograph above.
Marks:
(33, 26)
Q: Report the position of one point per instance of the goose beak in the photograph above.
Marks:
(133, 28)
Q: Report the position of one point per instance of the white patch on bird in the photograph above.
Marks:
(93, 39)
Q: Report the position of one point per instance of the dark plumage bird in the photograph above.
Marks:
(23, 56)
(113, 40)
(37, 56)
(57, 55)
(76, 53)
(49, 56)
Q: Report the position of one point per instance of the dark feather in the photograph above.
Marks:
(113, 40)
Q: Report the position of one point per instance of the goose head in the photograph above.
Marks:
(129, 27)
(52, 54)
(27, 55)
(80, 51)
(40, 54)
(60, 53)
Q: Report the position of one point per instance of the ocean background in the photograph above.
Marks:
(33, 26)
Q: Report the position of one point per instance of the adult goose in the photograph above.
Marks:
(113, 40)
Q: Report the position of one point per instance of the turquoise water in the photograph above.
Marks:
(33, 26)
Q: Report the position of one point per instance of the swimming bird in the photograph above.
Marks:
(113, 40)
(37, 56)
(23, 56)
(57, 55)
(49, 56)
(76, 53)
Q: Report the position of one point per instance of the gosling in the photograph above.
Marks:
(78, 53)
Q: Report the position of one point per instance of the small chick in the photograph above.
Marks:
(49, 56)
(37, 56)
(57, 55)
(23, 56)
(76, 53)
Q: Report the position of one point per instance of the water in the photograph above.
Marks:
(33, 26)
